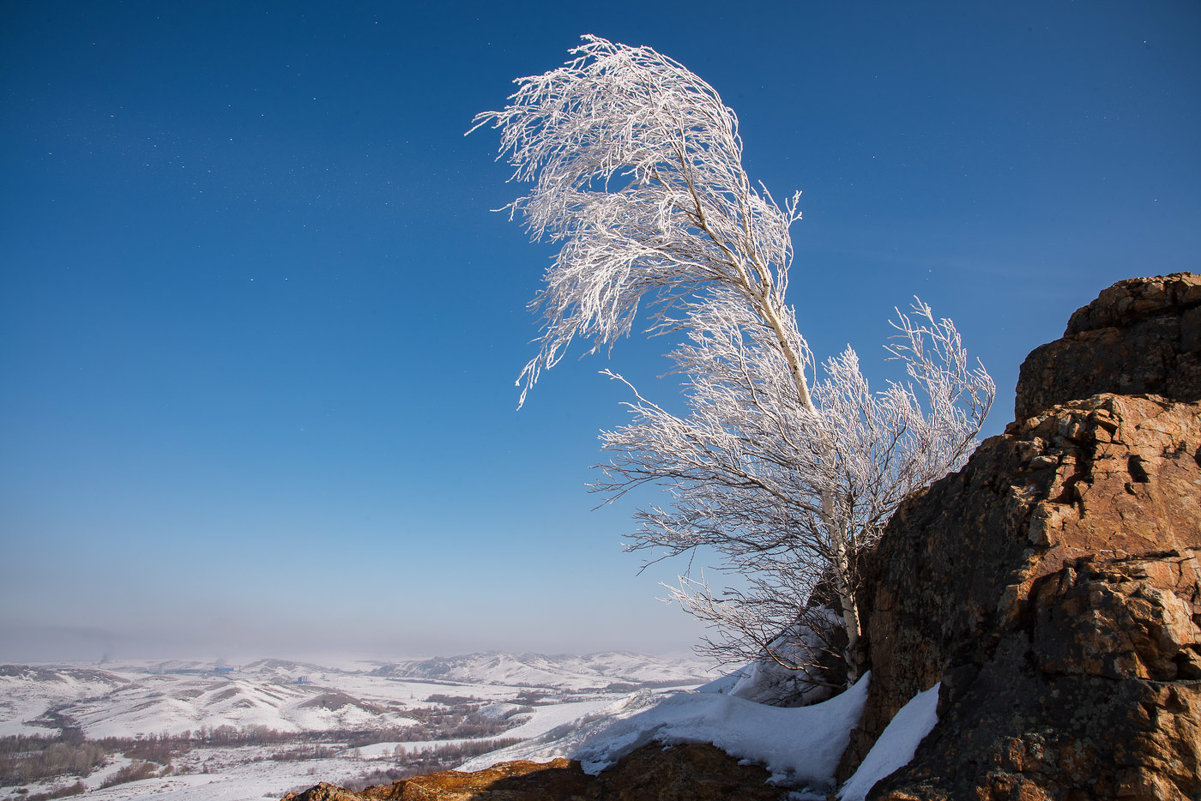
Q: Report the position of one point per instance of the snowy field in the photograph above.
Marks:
(799, 746)
(198, 733)
(317, 722)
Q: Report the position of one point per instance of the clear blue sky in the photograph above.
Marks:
(259, 329)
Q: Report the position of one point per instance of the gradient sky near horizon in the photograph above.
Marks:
(259, 330)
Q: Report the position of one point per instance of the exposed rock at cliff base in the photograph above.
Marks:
(330, 792)
(694, 772)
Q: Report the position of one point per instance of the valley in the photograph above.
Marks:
(191, 730)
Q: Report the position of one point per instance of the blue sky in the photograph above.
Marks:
(259, 329)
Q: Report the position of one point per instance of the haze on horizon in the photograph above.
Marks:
(259, 328)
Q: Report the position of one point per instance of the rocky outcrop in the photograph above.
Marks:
(1141, 336)
(331, 792)
(651, 773)
(1052, 585)
(695, 772)
(559, 780)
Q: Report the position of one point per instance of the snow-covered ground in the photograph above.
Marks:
(175, 705)
(799, 746)
(577, 707)
(235, 774)
(525, 695)
(896, 745)
(27, 693)
(175, 697)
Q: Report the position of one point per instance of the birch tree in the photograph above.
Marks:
(784, 470)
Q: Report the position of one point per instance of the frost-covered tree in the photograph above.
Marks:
(636, 166)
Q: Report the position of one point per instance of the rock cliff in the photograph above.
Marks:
(1140, 336)
(1052, 585)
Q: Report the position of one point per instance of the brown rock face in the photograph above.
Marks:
(684, 773)
(1141, 336)
(1053, 586)
(330, 792)
(559, 780)
(651, 773)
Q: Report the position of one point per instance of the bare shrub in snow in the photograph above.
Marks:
(78, 788)
(785, 471)
(133, 772)
(25, 759)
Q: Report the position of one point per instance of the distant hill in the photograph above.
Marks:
(592, 671)
(28, 693)
(178, 696)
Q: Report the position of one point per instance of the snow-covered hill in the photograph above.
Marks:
(337, 722)
(27, 694)
(564, 672)
(172, 704)
(174, 697)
